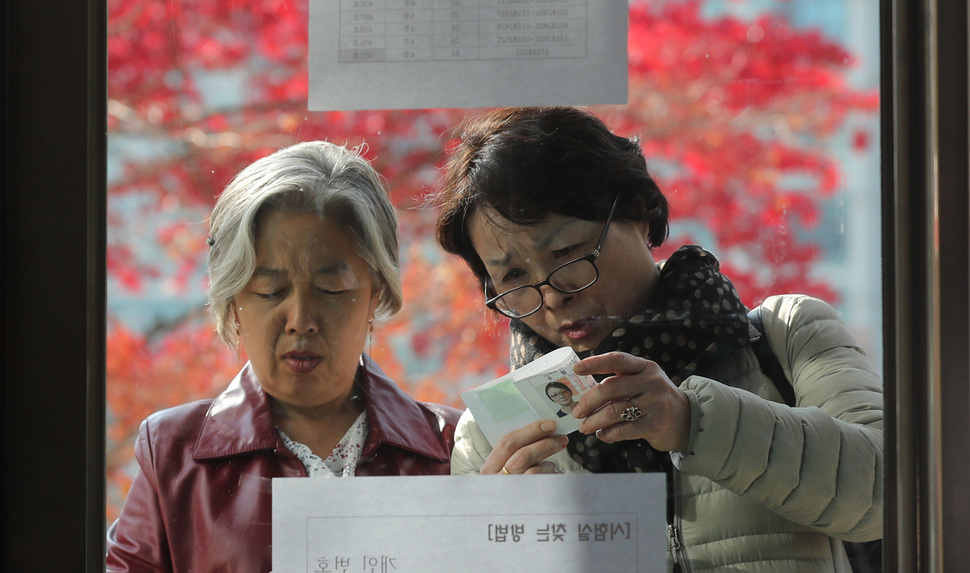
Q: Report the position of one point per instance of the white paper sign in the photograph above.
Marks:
(474, 524)
(399, 54)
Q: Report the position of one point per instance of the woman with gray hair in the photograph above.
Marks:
(302, 258)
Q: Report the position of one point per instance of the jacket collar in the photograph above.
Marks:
(240, 420)
(396, 419)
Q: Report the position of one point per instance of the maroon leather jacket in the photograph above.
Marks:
(202, 500)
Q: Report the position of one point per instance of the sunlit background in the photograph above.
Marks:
(758, 117)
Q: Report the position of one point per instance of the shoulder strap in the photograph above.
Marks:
(766, 357)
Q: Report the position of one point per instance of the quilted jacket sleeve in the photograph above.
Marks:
(818, 464)
(471, 447)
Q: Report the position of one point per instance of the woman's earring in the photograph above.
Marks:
(370, 337)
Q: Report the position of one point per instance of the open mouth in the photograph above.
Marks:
(301, 362)
(578, 330)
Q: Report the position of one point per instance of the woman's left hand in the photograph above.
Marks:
(639, 386)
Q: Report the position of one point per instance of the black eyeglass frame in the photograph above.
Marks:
(591, 257)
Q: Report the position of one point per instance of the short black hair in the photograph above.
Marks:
(525, 164)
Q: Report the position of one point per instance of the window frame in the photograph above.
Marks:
(54, 99)
(926, 283)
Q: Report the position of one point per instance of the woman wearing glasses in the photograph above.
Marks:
(562, 396)
(556, 216)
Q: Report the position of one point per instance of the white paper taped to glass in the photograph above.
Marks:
(475, 524)
(401, 54)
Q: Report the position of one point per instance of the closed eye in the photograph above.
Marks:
(270, 295)
(564, 252)
(513, 276)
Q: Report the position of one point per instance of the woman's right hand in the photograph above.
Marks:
(524, 451)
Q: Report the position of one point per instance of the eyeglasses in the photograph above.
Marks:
(559, 394)
(568, 278)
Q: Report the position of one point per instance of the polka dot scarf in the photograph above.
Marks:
(694, 319)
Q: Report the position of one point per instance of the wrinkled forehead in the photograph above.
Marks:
(498, 241)
(305, 244)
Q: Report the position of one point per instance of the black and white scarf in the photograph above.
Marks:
(693, 319)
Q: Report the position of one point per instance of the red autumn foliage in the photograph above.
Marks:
(729, 113)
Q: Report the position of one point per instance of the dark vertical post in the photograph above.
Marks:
(953, 246)
(53, 284)
(927, 246)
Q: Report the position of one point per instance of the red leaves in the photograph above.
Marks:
(860, 140)
(184, 364)
(731, 111)
(733, 115)
(180, 365)
(736, 114)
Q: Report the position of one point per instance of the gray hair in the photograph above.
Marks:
(315, 177)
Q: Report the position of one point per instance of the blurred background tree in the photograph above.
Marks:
(734, 114)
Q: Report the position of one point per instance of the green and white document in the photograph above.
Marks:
(522, 397)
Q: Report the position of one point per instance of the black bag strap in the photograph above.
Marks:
(767, 359)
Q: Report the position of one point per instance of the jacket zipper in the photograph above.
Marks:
(673, 542)
(675, 545)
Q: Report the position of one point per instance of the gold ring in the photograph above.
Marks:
(505, 471)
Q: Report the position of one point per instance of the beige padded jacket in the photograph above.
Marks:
(764, 487)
